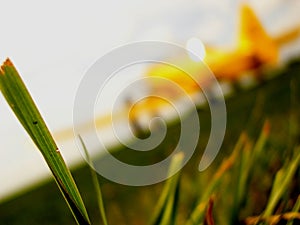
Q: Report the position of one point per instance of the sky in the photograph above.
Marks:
(53, 43)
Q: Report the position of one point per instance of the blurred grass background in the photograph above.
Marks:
(276, 100)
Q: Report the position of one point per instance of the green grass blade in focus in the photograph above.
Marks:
(22, 104)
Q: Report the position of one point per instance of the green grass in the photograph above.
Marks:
(95, 183)
(22, 104)
(255, 178)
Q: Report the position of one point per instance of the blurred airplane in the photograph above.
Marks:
(255, 51)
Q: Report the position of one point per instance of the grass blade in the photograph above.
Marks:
(281, 183)
(95, 183)
(198, 214)
(22, 104)
(296, 208)
(273, 219)
(167, 204)
(248, 157)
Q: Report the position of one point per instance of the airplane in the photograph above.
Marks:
(255, 51)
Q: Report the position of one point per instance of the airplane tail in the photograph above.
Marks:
(254, 39)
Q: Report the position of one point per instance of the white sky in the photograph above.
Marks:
(53, 43)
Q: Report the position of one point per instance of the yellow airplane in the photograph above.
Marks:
(255, 50)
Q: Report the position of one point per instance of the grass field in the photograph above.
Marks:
(276, 101)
